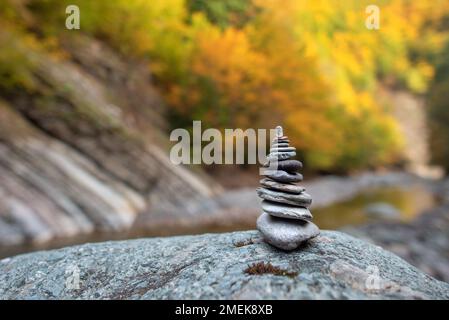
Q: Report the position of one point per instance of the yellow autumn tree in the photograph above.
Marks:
(312, 66)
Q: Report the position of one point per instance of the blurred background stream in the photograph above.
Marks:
(400, 204)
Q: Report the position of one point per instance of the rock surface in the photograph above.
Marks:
(212, 266)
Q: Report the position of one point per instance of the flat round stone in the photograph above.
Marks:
(281, 141)
(289, 165)
(303, 199)
(281, 138)
(280, 145)
(284, 187)
(286, 165)
(279, 156)
(286, 211)
(283, 176)
(288, 149)
(286, 234)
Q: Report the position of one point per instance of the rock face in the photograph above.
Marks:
(84, 151)
(286, 220)
(217, 266)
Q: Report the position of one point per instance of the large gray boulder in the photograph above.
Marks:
(235, 265)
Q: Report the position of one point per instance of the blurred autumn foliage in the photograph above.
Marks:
(312, 66)
(438, 109)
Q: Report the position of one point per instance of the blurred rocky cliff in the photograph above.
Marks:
(83, 151)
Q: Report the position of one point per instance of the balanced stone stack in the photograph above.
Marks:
(286, 220)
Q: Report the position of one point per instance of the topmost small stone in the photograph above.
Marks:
(279, 132)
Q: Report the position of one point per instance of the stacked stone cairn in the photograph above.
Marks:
(286, 220)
